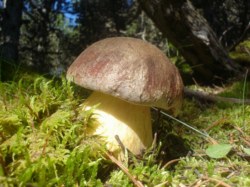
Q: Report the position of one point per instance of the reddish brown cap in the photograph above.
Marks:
(130, 69)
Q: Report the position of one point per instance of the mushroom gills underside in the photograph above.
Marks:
(113, 116)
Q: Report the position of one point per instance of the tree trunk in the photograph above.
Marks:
(12, 17)
(190, 33)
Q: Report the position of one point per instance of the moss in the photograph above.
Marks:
(43, 141)
(40, 134)
(242, 52)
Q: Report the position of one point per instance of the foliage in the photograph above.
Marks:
(242, 52)
(43, 33)
(43, 142)
(200, 171)
(50, 40)
(148, 173)
(218, 150)
(42, 139)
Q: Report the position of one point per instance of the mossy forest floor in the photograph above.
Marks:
(43, 142)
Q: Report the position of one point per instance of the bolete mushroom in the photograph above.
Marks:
(128, 76)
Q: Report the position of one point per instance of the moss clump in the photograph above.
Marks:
(199, 170)
(42, 140)
(242, 52)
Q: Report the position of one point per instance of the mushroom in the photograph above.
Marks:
(127, 76)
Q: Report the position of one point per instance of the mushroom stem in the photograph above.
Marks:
(132, 123)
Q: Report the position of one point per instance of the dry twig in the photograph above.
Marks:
(218, 182)
(171, 162)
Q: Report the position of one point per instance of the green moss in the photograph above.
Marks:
(242, 52)
(43, 141)
(236, 90)
(147, 173)
(190, 171)
(41, 133)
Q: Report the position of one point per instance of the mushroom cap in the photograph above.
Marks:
(130, 69)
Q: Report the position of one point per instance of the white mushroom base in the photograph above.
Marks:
(132, 123)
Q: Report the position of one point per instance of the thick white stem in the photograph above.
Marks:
(132, 123)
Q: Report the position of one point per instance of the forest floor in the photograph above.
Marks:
(43, 141)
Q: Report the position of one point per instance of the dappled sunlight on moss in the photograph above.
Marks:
(40, 132)
(43, 141)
